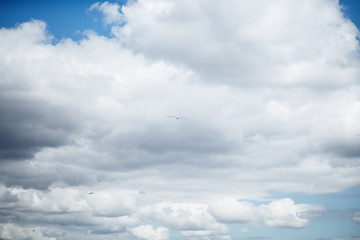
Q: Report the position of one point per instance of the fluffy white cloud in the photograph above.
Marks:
(278, 213)
(284, 213)
(147, 232)
(204, 235)
(272, 98)
(192, 220)
(307, 43)
(111, 12)
(114, 107)
(109, 203)
(104, 211)
(185, 217)
(12, 231)
(232, 211)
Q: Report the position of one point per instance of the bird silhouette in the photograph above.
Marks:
(178, 117)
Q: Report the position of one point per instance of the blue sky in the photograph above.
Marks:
(69, 18)
(64, 19)
(352, 8)
(269, 148)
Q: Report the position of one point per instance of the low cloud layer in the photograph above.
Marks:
(122, 212)
(271, 93)
(278, 213)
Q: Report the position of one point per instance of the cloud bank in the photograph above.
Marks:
(272, 96)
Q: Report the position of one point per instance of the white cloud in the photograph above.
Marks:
(184, 216)
(111, 11)
(147, 232)
(114, 107)
(204, 235)
(12, 231)
(278, 213)
(284, 213)
(307, 43)
(109, 203)
(230, 210)
(271, 109)
(104, 211)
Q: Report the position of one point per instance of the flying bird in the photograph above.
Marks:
(178, 117)
(91, 193)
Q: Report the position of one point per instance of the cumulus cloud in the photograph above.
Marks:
(284, 213)
(278, 213)
(147, 232)
(12, 231)
(272, 98)
(92, 214)
(204, 235)
(111, 11)
(114, 107)
(232, 211)
(285, 47)
(185, 217)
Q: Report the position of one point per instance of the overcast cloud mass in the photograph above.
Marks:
(271, 90)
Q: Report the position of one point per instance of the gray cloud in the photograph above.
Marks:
(170, 143)
(27, 125)
(184, 138)
(347, 148)
(271, 109)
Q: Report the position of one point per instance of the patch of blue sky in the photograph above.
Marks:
(351, 9)
(260, 231)
(334, 222)
(175, 235)
(64, 19)
(341, 226)
(347, 199)
(324, 228)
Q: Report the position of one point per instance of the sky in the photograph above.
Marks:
(267, 146)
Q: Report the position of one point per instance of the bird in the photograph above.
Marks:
(91, 193)
(178, 117)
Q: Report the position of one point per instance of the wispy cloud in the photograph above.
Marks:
(111, 12)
